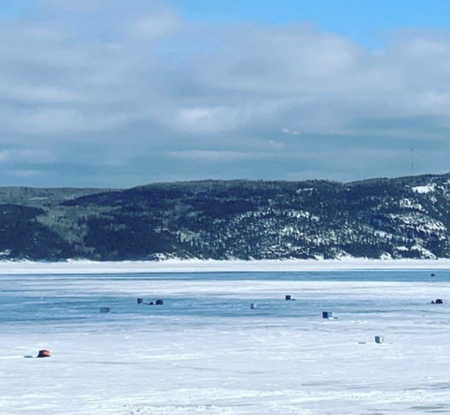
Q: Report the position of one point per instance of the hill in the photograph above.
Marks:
(405, 217)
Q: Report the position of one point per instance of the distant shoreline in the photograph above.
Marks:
(192, 266)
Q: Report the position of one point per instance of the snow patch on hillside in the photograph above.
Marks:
(424, 189)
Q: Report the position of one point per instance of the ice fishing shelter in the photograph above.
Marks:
(379, 339)
(44, 353)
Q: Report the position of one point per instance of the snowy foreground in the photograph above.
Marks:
(194, 265)
(206, 352)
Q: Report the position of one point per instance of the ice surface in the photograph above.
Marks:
(206, 352)
(197, 265)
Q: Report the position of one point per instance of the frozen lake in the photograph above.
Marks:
(206, 352)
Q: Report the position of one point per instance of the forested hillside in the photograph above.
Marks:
(398, 218)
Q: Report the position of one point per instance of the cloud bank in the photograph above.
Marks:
(113, 93)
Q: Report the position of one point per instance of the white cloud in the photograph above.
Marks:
(156, 25)
(39, 94)
(218, 155)
(73, 6)
(136, 76)
(290, 132)
(206, 120)
(35, 156)
(25, 173)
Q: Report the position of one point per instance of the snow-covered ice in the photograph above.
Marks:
(206, 352)
(197, 265)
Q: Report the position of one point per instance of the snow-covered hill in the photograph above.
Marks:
(380, 218)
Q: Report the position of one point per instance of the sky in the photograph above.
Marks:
(115, 93)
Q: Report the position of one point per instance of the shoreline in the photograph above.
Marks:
(195, 266)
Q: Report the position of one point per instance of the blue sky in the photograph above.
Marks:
(116, 93)
(365, 21)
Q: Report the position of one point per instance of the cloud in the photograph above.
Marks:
(206, 120)
(25, 173)
(78, 6)
(290, 132)
(155, 26)
(219, 156)
(40, 95)
(35, 156)
(134, 83)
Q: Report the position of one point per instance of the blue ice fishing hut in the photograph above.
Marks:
(327, 314)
